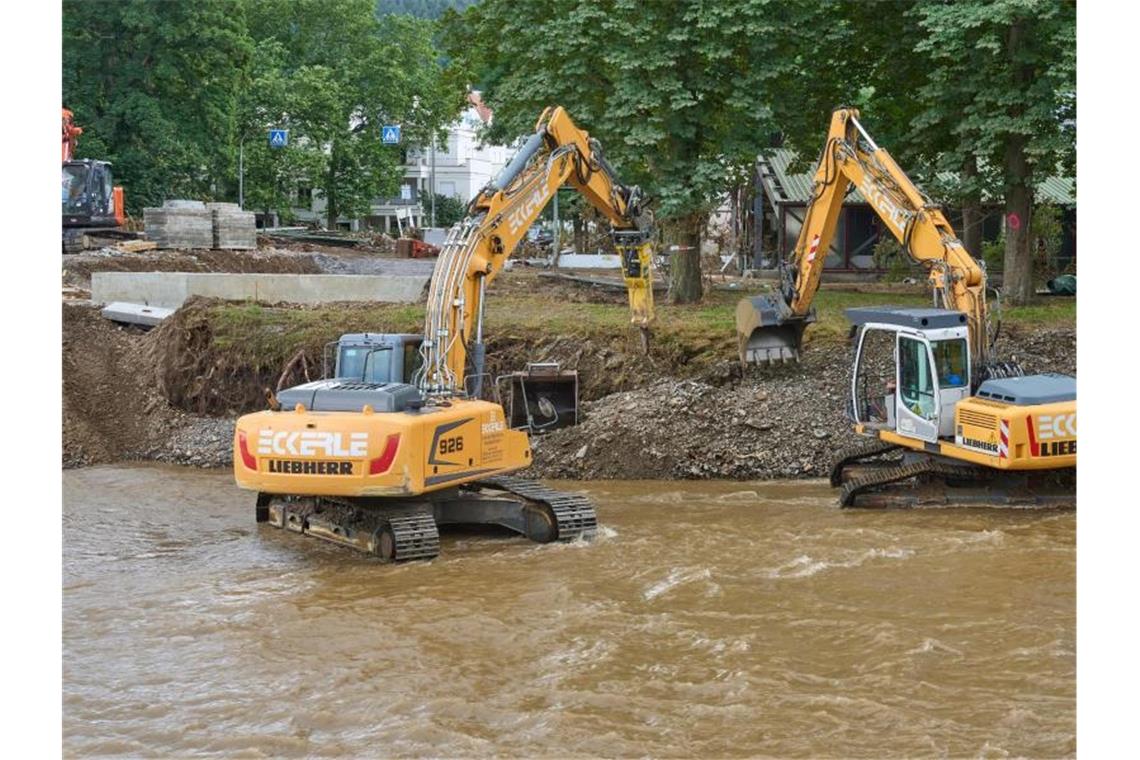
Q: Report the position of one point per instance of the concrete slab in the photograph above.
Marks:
(172, 289)
(136, 314)
(589, 261)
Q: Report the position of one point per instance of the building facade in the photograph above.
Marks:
(462, 166)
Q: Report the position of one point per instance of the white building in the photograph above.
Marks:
(462, 167)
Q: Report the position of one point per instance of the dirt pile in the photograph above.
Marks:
(77, 268)
(781, 423)
(113, 409)
(784, 423)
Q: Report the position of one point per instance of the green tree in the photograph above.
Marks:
(334, 75)
(675, 91)
(1016, 59)
(448, 209)
(154, 86)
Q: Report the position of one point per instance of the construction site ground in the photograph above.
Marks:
(687, 410)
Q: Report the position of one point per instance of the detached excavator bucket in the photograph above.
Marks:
(767, 332)
(542, 397)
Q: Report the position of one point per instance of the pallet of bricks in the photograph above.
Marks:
(193, 224)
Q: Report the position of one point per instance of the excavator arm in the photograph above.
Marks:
(770, 327)
(477, 249)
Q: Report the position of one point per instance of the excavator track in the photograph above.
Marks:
(409, 537)
(573, 515)
(869, 482)
(858, 452)
(397, 534)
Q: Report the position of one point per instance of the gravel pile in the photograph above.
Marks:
(782, 423)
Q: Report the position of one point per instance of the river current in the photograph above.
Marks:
(708, 619)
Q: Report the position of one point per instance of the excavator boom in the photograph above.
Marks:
(477, 249)
(770, 327)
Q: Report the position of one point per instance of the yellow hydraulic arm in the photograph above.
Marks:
(851, 158)
(497, 219)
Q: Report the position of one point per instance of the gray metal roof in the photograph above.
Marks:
(796, 188)
(1031, 389)
(907, 317)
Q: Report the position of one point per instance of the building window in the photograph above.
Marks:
(304, 196)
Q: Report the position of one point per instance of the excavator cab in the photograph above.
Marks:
(376, 357)
(916, 396)
(89, 195)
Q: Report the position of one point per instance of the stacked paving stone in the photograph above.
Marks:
(233, 228)
(180, 224)
(193, 224)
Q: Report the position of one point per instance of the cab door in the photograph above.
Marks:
(917, 402)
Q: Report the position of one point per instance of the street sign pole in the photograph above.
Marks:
(241, 174)
(432, 179)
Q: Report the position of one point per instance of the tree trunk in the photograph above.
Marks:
(1017, 282)
(971, 210)
(331, 209)
(579, 234)
(683, 241)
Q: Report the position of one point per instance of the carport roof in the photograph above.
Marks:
(795, 188)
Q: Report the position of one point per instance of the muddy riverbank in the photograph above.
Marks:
(709, 619)
(686, 411)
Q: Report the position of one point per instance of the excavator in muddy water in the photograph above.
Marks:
(402, 440)
(945, 423)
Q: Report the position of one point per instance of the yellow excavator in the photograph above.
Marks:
(401, 441)
(946, 423)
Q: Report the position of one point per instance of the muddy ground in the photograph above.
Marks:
(686, 411)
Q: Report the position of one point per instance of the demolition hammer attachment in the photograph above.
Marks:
(766, 330)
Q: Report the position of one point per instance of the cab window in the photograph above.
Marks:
(916, 382)
(950, 358)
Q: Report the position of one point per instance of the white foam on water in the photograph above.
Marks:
(804, 566)
(676, 577)
(933, 645)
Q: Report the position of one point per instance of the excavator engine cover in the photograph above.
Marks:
(542, 397)
(766, 330)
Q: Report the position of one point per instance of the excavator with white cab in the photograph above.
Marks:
(945, 423)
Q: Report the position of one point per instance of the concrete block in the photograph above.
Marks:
(136, 314)
(589, 261)
(172, 289)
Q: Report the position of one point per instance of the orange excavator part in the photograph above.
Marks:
(71, 135)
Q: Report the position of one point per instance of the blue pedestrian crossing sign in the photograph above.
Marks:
(390, 134)
(278, 138)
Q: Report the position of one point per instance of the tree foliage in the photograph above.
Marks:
(334, 75)
(155, 88)
(419, 8)
(172, 92)
(674, 90)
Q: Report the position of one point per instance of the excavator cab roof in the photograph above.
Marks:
(921, 319)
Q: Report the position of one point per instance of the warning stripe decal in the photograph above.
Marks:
(813, 248)
(1032, 435)
(1003, 444)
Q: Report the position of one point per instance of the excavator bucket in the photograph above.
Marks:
(543, 397)
(767, 332)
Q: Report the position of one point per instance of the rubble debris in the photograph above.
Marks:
(135, 246)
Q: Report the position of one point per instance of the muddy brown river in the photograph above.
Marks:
(708, 619)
